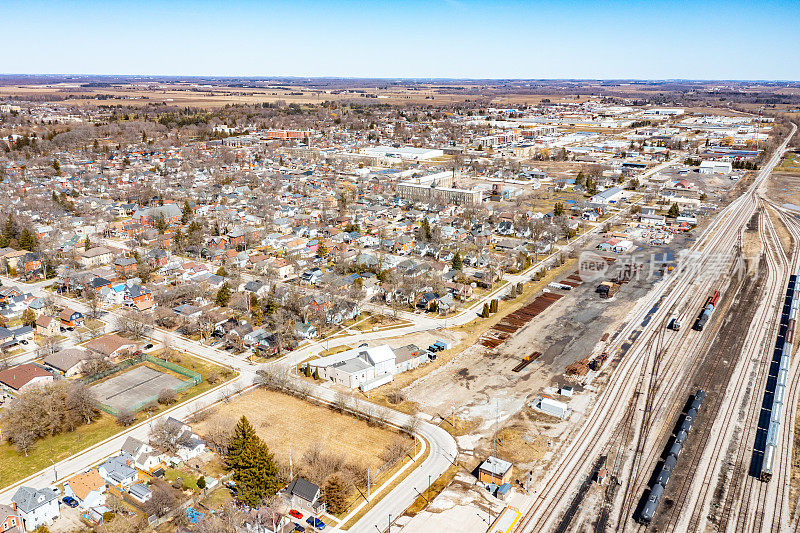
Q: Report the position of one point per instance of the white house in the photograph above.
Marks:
(189, 444)
(37, 507)
(119, 470)
(365, 368)
(89, 489)
(144, 458)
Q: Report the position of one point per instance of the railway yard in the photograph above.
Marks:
(732, 470)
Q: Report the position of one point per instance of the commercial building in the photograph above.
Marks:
(408, 153)
(444, 195)
(716, 167)
(364, 368)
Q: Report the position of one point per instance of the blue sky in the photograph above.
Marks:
(444, 38)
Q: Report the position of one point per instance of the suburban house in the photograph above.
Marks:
(99, 255)
(125, 266)
(67, 362)
(364, 368)
(25, 376)
(139, 297)
(119, 470)
(36, 507)
(47, 326)
(189, 444)
(494, 470)
(10, 519)
(71, 318)
(144, 457)
(303, 495)
(111, 345)
(305, 331)
(88, 488)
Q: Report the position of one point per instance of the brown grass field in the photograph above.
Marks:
(281, 420)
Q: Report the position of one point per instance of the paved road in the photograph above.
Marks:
(443, 446)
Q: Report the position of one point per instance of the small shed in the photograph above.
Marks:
(495, 470)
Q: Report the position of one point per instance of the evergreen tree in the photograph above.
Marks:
(335, 495)
(27, 241)
(9, 232)
(485, 313)
(186, 215)
(87, 244)
(493, 306)
(458, 263)
(243, 435)
(558, 209)
(223, 295)
(254, 469)
(674, 211)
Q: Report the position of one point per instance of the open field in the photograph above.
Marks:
(290, 425)
(15, 466)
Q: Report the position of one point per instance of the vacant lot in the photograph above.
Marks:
(283, 421)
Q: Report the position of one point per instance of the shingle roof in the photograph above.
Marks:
(29, 499)
(303, 489)
(18, 376)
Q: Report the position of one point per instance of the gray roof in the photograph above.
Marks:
(303, 489)
(139, 491)
(64, 360)
(353, 365)
(29, 499)
(495, 466)
(118, 469)
(132, 446)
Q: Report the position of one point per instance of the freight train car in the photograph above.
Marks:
(705, 314)
(782, 358)
(668, 466)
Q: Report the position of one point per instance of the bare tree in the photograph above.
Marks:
(125, 417)
(164, 436)
(163, 500)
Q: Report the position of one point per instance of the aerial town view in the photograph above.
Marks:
(445, 267)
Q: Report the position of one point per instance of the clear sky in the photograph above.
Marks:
(654, 39)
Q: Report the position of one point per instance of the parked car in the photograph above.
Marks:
(294, 513)
(69, 500)
(431, 355)
(298, 527)
(315, 522)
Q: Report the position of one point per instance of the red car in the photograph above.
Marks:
(296, 514)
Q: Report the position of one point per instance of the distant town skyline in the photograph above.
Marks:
(734, 40)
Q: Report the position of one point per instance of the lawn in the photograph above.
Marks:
(14, 466)
(290, 425)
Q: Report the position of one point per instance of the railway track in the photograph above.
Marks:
(593, 435)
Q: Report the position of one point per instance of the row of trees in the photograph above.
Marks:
(47, 411)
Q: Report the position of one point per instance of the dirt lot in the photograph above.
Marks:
(282, 420)
(784, 187)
